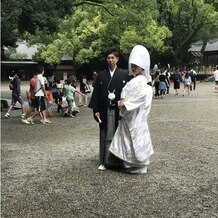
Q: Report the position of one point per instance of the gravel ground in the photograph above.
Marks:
(51, 170)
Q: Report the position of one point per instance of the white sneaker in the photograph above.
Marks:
(45, 121)
(101, 167)
(22, 116)
(25, 121)
(139, 170)
(30, 120)
(7, 115)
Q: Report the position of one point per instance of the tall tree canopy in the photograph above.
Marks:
(84, 29)
(40, 18)
(189, 21)
(85, 35)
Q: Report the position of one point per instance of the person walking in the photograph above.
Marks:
(167, 74)
(31, 113)
(103, 101)
(187, 83)
(156, 83)
(40, 95)
(193, 76)
(163, 84)
(16, 96)
(132, 142)
(215, 75)
(57, 92)
(176, 80)
(85, 89)
(69, 92)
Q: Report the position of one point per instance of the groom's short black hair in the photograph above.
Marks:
(113, 51)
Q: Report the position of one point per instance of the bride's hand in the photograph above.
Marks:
(120, 103)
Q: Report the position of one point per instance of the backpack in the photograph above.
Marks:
(176, 76)
(192, 74)
(12, 85)
(37, 86)
(187, 81)
(32, 88)
(87, 89)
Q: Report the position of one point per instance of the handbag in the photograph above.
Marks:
(87, 89)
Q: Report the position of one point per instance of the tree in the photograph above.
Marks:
(9, 20)
(22, 19)
(85, 35)
(166, 27)
(189, 21)
(79, 38)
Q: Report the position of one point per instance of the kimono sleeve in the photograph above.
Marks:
(93, 104)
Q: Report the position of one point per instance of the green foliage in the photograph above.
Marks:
(34, 20)
(84, 29)
(189, 21)
(79, 37)
(43, 15)
(89, 34)
(10, 11)
(152, 37)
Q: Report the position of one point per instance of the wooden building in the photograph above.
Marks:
(65, 68)
(209, 57)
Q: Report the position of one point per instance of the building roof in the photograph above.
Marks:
(211, 46)
(18, 62)
(24, 48)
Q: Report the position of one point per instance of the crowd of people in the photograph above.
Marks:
(43, 94)
(121, 102)
(163, 79)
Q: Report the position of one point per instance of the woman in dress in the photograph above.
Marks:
(131, 142)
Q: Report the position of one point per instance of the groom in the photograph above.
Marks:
(104, 99)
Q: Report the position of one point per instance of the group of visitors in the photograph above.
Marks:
(43, 93)
(161, 83)
(163, 78)
(36, 97)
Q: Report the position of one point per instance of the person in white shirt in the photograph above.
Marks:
(41, 94)
(215, 75)
(193, 76)
(187, 83)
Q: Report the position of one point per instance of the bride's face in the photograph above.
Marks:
(136, 70)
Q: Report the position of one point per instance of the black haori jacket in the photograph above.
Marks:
(99, 100)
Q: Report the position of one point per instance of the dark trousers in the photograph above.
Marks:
(156, 85)
(193, 83)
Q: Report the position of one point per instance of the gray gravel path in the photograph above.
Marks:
(51, 170)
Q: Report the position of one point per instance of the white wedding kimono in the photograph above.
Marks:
(132, 142)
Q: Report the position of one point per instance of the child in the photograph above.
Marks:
(69, 92)
(187, 83)
(50, 99)
(85, 89)
(163, 85)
